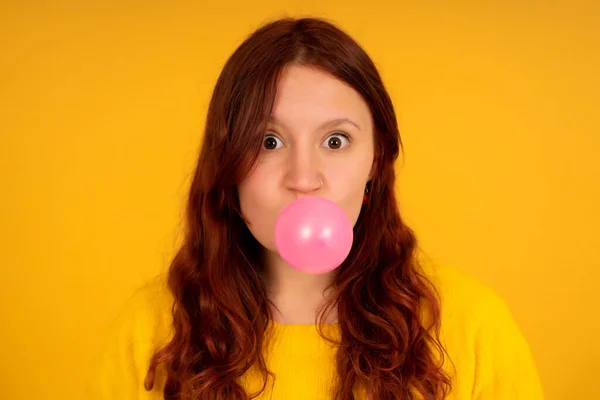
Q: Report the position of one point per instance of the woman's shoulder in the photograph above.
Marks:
(148, 311)
(482, 339)
(462, 296)
(154, 292)
(143, 325)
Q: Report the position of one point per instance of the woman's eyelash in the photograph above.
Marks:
(344, 134)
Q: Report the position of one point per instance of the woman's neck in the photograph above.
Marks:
(297, 296)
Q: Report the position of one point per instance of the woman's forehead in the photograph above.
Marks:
(308, 96)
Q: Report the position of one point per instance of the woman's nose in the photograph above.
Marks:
(303, 173)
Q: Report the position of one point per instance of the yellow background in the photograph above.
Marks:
(101, 110)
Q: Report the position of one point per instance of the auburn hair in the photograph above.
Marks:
(220, 312)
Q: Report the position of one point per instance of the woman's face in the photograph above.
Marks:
(319, 142)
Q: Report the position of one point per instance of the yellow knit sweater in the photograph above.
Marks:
(490, 356)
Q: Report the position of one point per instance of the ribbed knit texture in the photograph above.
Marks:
(490, 358)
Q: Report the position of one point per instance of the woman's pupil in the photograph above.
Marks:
(334, 142)
(270, 143)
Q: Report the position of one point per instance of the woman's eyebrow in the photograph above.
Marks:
(339, 121)
(326, 124)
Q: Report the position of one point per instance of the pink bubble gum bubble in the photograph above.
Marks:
(313, 235)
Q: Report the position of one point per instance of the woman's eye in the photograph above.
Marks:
(271, 142)
(337, 141)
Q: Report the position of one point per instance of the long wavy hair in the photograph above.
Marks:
(221, 310)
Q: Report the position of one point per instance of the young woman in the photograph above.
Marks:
(300, 110)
